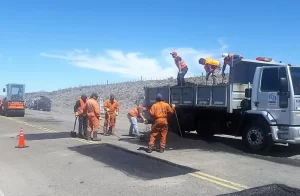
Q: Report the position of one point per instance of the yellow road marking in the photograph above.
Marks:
(84, 141)
(48, 130)
(222, 180)
(198, 174)
(215, 181)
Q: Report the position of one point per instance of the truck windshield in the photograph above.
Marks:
(295, 74)
(17, 92)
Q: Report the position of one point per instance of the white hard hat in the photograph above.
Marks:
(224, 54)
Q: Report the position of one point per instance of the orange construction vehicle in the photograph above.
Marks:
(13, 104)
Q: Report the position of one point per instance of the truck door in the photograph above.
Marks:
(269, 99)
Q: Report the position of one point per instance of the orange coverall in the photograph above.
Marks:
(110, 116)
(159, 111)
(93, 112)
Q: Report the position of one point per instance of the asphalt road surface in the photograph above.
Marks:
(55, 164)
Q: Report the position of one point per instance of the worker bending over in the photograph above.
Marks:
(111, 108)
(82, 117)
(182, 68)
(228, 59)
(92, 109)
(132, 115)
(212, 67)
(159, 112)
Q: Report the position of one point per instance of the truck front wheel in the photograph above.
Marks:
(256, 138)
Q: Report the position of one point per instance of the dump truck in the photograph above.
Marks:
(260, 103)
(12, 105)
(39, 103)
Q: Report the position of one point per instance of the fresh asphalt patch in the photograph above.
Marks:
(131, 164)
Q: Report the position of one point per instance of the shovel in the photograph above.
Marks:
(73, 133)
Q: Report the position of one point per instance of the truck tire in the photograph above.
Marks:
(256, 138)
(205, 128)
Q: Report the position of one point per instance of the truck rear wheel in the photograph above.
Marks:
(256, 138)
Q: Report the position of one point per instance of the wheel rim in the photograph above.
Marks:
(255, 137)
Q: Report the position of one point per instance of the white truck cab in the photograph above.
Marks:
(276, 96)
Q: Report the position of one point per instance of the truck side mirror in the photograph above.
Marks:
(248, 92)
(283, 85)
(4, 90)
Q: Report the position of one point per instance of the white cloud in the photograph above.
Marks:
(135, 64)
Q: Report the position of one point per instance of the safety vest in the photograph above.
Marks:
(80, 108)
(134, 112)
(212, 62)
(182, 64)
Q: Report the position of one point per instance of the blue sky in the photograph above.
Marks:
(66, 43)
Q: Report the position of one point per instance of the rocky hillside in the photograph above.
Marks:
(126, 93)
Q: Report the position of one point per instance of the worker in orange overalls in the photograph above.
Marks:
(93, 112)
(182, 68)
(111, 108)
(82, 117)
(159, 112)
(228, 59)
(212, 67)
(132, 115)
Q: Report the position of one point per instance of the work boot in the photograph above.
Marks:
(150, 148)
(95, 137)
(88, 136)
(161, 150)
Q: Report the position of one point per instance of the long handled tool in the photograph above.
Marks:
(109, 125)
(178, 123)
(177, 120)
(73, 133)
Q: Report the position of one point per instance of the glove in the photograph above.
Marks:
(76, 114)
(107, 109)
(145, 121)
(117, 113)
(173, 105)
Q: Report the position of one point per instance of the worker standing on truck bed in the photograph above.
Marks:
(182, 68)
(82, 117)
(159, 112)
(111, 108)
(228, 58)
(93, 112)
(211, 66)
(132, 115)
